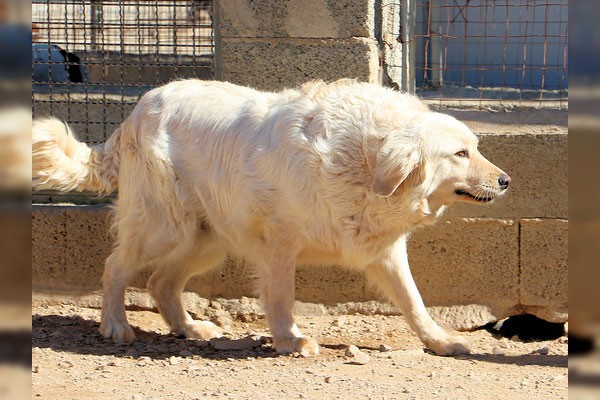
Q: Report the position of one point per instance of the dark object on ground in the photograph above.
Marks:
(527, 327)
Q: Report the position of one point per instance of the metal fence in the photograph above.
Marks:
(486, 51)
(93, 59)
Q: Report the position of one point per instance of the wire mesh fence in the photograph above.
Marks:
(481, 51)
(93, 59)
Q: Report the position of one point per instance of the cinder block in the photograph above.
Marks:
(297, 19)
(233, 279)
(329, 285)
(516, 121)
(88, 243)
(462, 261)
(270, 64)
(538, 166)
(544, 263)
(49, 238)
(70, 244)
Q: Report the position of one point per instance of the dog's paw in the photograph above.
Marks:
(449, 346)
(119, 331)
(200, 330)
(307, 347)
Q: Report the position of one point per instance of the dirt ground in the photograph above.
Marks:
(72, 361)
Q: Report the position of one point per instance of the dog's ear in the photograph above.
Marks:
(394, 161)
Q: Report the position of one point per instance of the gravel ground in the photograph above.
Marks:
(72, 361)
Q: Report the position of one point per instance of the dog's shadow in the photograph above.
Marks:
(74, 334)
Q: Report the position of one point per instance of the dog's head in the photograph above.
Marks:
(438, 155)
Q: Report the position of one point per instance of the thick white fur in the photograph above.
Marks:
(61, 162)
(326, 174)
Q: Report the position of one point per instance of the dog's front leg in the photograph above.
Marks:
(392, 275)
(277, 287)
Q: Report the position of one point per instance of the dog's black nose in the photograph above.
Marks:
(504, 180)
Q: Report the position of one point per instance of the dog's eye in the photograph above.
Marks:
(462, 153)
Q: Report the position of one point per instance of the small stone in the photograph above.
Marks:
(65, 364)
(340, 321)
(359, 357)
(223, 321)
(543, 350)
(515, 338)
(557, 378)
(143, 361)
(499, 351)
(385, 348)
(35, 369)
(174, 360)
(234, 344)
(351, 350)
(329, 379)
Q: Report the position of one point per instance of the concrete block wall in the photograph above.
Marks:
(273, 44)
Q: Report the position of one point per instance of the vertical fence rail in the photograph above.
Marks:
(407, 38)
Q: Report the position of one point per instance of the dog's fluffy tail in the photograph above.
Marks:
(61, 162)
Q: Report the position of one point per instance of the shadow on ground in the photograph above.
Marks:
(74, 334)
(547, 360)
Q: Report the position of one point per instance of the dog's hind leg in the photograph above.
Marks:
(276, 274)
(391, 274)
(116, 277)
(168, 281)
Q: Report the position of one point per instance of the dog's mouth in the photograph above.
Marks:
(468, 195)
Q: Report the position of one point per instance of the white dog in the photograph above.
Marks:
(327, 174)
